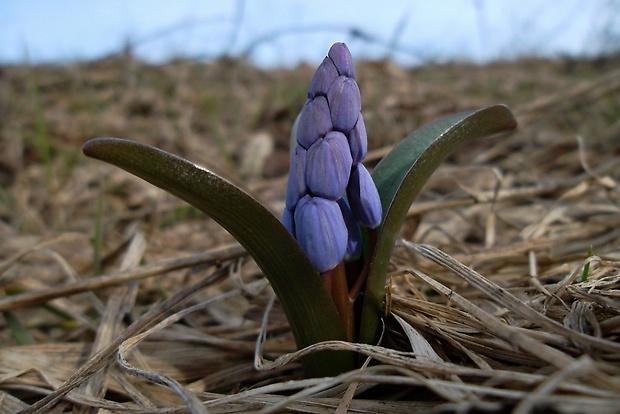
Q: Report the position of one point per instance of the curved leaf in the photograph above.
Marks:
(400, 177)
(310, 310)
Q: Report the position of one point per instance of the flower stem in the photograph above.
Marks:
(336, 282)
(328, 280)
(344, 304)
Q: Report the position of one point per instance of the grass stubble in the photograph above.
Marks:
(495, 300)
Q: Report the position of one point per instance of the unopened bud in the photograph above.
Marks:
(296, 184)
(345, 103)
(321, 231)
(314, 121)
(358, 141)
(364, 198)
(354, 242)
(288, 221)
(329, 166)
(341, 56)
(324, 76)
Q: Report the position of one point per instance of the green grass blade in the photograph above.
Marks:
(310, 310)
(400, 177)
(586, 268)
(19, 332)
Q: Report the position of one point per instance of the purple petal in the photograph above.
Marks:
(364, 198)
(340, 55)
(321, 231)
(358, 141)
(296, 184)
(345, 103)
(324, 76)
(329, 166)
(314, 121)
(287, 221)
(354, 242)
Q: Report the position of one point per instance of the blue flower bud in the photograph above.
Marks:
(364, 198)
(329, 166)
(321, 231)
(324, 76)
(354, 242)
(358, 140)
(288, 221)
(340, 55)
(296, 184)
(314, 121)
(326, 165)
(345, 103)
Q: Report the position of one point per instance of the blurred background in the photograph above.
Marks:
(221, 82)
(283, 33)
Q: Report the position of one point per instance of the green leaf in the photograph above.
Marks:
(400, 177)
(310, 310)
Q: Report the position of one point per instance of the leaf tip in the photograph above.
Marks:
(97, 148)
(90, 147)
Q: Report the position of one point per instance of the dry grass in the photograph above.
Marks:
(161, 312)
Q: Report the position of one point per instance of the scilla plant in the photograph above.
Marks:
(328, 256)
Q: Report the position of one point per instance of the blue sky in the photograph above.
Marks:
(295, 30)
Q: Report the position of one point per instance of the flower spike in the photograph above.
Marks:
(326, 165)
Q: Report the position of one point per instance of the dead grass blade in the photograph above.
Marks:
(101, 359)
(509, 301)
(215, 256)
(122, 300)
